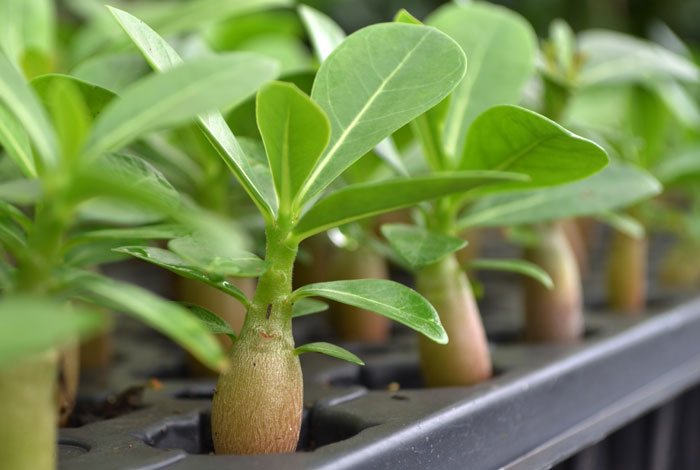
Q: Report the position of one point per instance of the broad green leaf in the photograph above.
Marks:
(501, 48)
(324, 33)
(14, 140)
(27, 27)
(376, 81)
(161, 56)
(236, 262)
(515, 266)
(114, 72)
(622, 223)
(169, 318)
(510, 138)
(144, 195)
(164, 231)
(303, 307)
(68, 110)
(211, 321)
(20, 101)
(295, 132)
(96, 97)
(614, 187)
(329, 350)
(365, 200)
(176, 96)
(388, 298)
(613, 57)
(676, 168)
(21, 192)
(419, 246)
(175, 263)
(30, 325)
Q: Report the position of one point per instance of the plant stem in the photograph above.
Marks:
(28, 411)
(627, 274)
(353, 323)
(553, 315)
(465, 359)
(258, 402)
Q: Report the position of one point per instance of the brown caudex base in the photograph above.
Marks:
(553, 315)
(28, 414)
(465, 360)
(353, 323)
(228, 308)
(258, 402)
(627, 269)
(577, 241)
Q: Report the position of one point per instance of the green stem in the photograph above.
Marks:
(258, 402)
(28, 412)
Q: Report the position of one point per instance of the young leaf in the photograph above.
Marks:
(510, 138)
(303, 307)
(211, 321)
(388, 298)
(167, 317)
(368, 87)
(364, 200)
(23, 105)
(22, 192)
(235, 262)
(295, 132)
(324, 33)
(96, 97)
(515, 266)
(175, 263)
(32, 325)
(161, 56)
(329, 350)
(614, 187)
(418, 246)
(501, 47)
(176, 96)
(14, 140)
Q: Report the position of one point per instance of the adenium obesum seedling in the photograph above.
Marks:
(377, 80)
(67, 144)
(467, 132)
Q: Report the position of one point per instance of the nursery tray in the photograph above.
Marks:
(546, 404)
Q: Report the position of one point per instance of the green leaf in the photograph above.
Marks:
(563, 40)
(623, 223)
(418, 246)
(613, 57)
(114, 72)
(161, 56)
(169, 318)
(376, 81)
(403, 16)
(27, 28)
(176, 96)
(295, 132)
(147, 232)
(30, 325)
(515, 266)
(388, 298)
(501, 47)
(23, 105)
(303, 307)
(329, 350)
(510, 138)
(175, 263)
(364, 200)
(678, 167)
(21, 192)
(96, 97)
(614, 187)
(16, 143)
(211, 321)
(235, 262)
(324, 33)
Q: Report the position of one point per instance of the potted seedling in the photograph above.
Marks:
(630, 94)
(258, 402)
(476, 138)
(69, 157)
